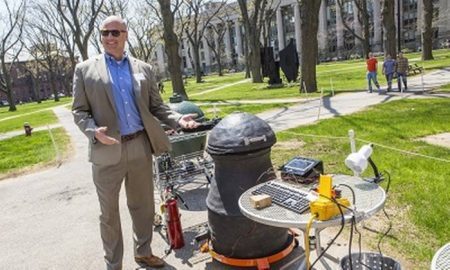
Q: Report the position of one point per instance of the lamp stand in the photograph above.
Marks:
(378, 176)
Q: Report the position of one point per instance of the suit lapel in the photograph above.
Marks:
(137, 84)
(103, 73)
(135, 70)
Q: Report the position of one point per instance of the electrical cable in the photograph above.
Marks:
(350, 242)
(338, 233)
(308, 228)
(387, 216)
(353, 192)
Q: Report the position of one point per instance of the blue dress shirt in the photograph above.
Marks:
(122, 86)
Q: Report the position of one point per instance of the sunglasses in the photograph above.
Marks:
(114, 33)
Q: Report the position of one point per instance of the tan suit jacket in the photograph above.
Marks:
(93, 106)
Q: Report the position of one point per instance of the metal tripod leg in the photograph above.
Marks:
(319, 250)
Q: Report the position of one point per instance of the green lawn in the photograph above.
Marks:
(418, 199)
(209, 82)
(250, 90)
(35, 114)
(34, 119)
(21, 152)
(32, 107)
(445, 88)
(337, 76)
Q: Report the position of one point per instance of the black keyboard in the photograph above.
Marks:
(285, 196)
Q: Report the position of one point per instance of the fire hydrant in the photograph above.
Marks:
(27, 128)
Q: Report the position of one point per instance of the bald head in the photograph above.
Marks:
(114, 19)
(114, 36)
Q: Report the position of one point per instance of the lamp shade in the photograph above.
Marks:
(357, 162)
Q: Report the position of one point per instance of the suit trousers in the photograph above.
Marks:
(135, 170)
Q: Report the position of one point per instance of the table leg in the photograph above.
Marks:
(318, 252)
(319, 249)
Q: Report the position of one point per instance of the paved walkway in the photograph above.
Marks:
(49, 219)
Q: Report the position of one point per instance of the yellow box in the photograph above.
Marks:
(326, 209)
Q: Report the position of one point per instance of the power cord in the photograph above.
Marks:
(387, 216)
(308, 228)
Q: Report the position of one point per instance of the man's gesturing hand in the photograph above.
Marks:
(187, 121)
(100, 135)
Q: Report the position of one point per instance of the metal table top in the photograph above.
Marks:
(369, 199)
(441, 260)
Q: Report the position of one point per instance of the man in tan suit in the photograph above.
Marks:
(117, 106)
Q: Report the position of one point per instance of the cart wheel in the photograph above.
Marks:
(167, 250)
(157, 220)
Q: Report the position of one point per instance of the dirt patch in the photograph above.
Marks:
(213, 110)
(442, 139)
(292, 144)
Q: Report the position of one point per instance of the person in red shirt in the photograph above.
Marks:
(372, 65)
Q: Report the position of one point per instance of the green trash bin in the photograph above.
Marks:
(188, 143)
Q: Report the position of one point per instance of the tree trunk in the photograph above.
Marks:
(366, 28)
(252, 26)
(53, 86)
(219, 67)
(427, 30)
(309, 26)
(247, 61)
(35, 86)
(388, 13)
(255, 62)
(198, 69)
(172, 45)
(10, 95)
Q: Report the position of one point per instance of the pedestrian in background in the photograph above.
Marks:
(389, 70)
(402, 71)
(117, 105)
(372, 66)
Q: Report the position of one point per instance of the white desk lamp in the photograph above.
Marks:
(357, 162)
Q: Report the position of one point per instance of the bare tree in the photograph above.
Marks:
(199, 14)
(43, 47)
(56, 27)
(269, 13)
(166, 13)
(427, 30)
(309, 26)
(33, 70)
(10, 47)
(80, 16)
(215, 39)
(116, 7)
(363, 19)
(388, 13)
(142, 30)
(110, 7)
(253, 22)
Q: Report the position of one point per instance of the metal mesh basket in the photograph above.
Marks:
(369, 260)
